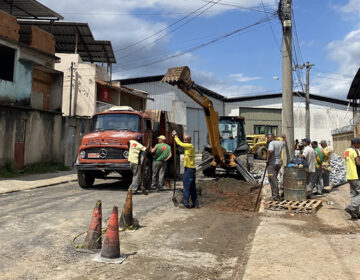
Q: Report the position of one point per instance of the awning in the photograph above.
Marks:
(74, 37)
(28, 9)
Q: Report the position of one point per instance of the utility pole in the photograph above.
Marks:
(285, 9)
(307, 66)
(71, 86)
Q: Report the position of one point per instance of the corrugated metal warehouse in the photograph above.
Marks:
(326, 113)
(182, 109)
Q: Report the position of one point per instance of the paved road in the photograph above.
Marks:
(37, 227)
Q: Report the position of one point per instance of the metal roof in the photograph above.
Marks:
(354, 91)
(28, 9)
(68, 34)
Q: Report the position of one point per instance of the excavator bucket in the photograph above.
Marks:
(177, 75)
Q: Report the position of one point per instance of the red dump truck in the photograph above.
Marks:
(106, 148)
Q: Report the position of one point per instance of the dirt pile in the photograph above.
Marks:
(228, 194)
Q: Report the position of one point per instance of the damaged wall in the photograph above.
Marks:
(29, 136)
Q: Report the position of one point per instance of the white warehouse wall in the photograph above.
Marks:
(324, 116)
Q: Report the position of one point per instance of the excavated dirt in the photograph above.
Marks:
(228, 194)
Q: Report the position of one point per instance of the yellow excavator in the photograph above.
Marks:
(220, 157)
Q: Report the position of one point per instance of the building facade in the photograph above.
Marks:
(259, 111)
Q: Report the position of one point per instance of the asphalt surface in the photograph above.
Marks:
(37, 227)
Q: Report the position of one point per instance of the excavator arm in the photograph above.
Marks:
(181, 77)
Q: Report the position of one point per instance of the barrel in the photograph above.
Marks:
(294, 183)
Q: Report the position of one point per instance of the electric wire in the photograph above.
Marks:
(271, 28)
(263, 20)
(163, 29)
(171, 31)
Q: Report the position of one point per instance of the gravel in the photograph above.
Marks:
(337, 173)
(338, 169)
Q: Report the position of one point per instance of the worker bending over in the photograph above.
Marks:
(136, 166)
(189, 179)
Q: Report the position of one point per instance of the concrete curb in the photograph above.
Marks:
(34, 182)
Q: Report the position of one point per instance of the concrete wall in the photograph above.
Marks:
(20, 90)
(341, 142)
(49, 137)
(84, 91)
(42, 135)
(324, 116)
(17, 91)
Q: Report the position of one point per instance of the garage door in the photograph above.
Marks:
(260, 117)
(196, 127)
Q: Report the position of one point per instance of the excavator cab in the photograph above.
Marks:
(232, 134)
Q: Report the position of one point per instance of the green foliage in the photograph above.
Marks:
(9, 172)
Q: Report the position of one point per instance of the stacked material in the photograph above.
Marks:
(338, 169)
(258, 173)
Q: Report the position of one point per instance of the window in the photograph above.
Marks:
(7, 58)
(266, 129)
(118, 122)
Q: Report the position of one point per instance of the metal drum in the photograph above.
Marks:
(294, 183)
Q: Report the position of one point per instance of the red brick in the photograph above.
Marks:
(8, 26)
(42, 40)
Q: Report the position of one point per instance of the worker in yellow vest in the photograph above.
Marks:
(189, 179)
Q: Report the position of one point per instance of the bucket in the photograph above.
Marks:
(294, 183)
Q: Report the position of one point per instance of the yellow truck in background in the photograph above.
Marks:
(258, 143)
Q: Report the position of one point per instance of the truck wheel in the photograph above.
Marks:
(262, 153)
(210, 171)
(85, 179)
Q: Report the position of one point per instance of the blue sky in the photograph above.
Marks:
(244, 64)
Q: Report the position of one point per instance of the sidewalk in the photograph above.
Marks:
(36, 181)
(321, 246)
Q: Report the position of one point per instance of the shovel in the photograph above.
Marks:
(175, 175)
(261, 186)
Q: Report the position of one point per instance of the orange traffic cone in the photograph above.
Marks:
(93, 237)
(126, 218)
(111, 245)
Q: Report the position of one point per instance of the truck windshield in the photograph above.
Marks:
(116, 122)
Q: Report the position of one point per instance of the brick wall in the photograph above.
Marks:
(42, 40)
(8, 26)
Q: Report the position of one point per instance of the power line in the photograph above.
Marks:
(163, 29)
(180, 49)
(171, 31)
(272, 30)
(235, 5)
(205, 43)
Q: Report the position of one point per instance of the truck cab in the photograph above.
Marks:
(106, 148)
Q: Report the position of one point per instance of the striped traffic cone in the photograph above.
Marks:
(93, 237)
(126, 218)
(111, 245)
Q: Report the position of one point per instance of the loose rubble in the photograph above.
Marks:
(338, 169)
(337, 173)
(258, 173)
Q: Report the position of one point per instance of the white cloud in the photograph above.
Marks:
(116, 20)
(353, 6)
(346, 53)
(241, 78)
(225, 87)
